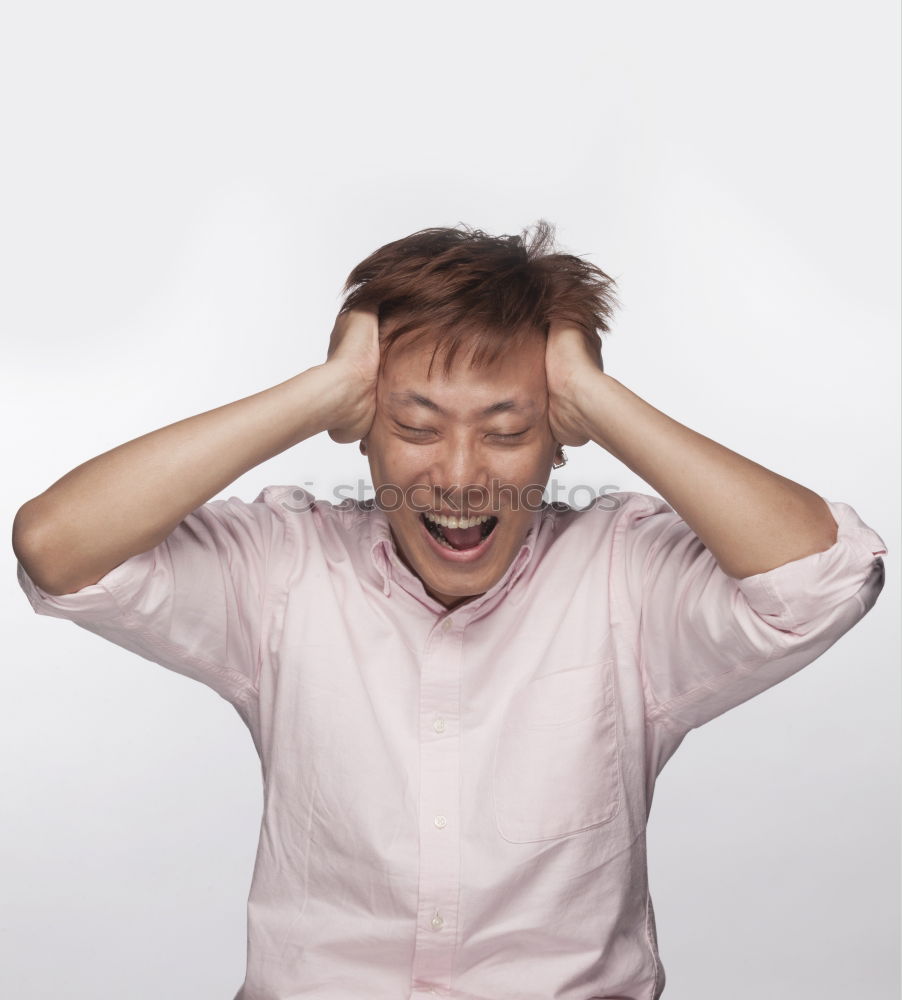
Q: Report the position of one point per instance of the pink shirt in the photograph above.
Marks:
(455, 802)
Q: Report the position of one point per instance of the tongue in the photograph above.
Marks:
(463, 538)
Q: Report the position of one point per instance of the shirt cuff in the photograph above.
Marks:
(94, 602)
(793, 596)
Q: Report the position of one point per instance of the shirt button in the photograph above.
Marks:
(441, 822)
(437, 922)
(446, 624)
(439, 725)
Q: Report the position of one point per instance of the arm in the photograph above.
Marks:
(751, 519)
(127, 500)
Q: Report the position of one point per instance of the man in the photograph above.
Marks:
(461, 695)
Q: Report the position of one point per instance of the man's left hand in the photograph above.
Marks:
(570, 368)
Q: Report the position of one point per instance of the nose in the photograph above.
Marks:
(461, 471)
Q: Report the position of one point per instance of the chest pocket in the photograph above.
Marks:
(557, 760)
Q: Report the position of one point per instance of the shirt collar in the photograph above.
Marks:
(392, 569)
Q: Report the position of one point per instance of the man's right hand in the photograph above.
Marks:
(354, 355)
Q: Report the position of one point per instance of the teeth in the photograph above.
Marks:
(453, 522)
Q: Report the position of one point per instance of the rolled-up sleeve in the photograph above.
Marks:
(195, 603)
(707, 641)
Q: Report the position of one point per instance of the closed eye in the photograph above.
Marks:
(423, 430)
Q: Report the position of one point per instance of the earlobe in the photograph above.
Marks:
(362, 447)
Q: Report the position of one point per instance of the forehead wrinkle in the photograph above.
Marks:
(503, 406)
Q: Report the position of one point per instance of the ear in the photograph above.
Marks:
(362, 446)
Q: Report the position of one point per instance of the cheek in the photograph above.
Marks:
(395, 465)
(531, 465)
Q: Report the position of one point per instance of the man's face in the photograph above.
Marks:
(452, 457)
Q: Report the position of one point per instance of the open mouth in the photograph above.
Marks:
(459, 538)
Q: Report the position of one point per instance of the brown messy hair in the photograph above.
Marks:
(492, 293)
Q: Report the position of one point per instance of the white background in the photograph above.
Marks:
(185, 188)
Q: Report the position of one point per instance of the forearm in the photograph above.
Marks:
(751, 519)
(130, 498)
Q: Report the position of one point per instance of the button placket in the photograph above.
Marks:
(439, 874)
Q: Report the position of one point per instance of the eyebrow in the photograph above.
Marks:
(415, 399)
